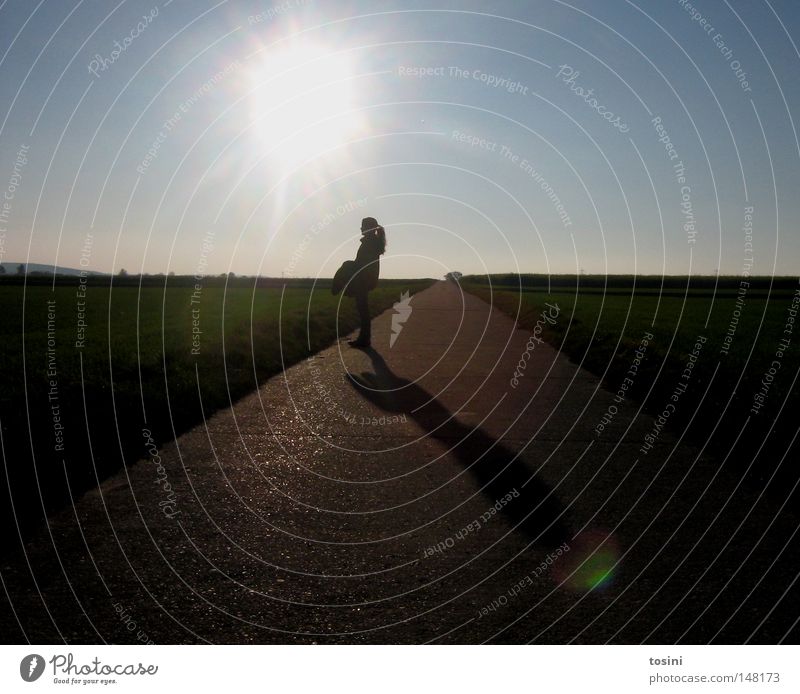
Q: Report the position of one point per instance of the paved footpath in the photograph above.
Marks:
(412, 494)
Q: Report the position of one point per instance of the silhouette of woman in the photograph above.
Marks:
(365, 275)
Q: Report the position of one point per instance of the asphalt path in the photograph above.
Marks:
(449, 488)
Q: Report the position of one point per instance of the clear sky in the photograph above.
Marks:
(541, 136)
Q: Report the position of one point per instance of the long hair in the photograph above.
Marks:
(380, 234)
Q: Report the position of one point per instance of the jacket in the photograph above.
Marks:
(360, 275)
(367, 264)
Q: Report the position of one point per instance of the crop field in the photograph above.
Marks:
(738, 344)
(87, 368)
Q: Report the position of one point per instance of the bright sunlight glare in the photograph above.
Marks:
(303, 104)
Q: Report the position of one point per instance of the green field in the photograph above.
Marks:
(602, 321)
(85, 370)
(77, 396)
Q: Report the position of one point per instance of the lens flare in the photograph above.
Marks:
(591, 563)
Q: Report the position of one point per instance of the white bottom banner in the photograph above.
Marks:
(400, 669)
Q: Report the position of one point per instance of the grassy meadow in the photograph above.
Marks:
(85, 368)
(601, 324)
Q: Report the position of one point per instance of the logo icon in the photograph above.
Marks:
(402, 310)
(31, 667)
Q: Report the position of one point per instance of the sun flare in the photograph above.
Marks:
(303, 104)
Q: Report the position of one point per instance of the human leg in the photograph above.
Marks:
(362, 304)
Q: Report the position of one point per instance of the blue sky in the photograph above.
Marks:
(253, 136)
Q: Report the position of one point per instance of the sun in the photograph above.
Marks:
(302, 104)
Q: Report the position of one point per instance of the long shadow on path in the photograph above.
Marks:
(497, 470)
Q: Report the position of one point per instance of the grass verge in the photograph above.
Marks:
(87, 368)
(741, 398)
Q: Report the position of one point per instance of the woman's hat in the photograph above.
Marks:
(368, 224)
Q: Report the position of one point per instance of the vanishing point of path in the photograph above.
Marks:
(415, 494)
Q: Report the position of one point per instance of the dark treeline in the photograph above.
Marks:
(40, 279)
(680, 282)
(526, 281)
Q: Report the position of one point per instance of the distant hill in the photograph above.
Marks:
(30, 268)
